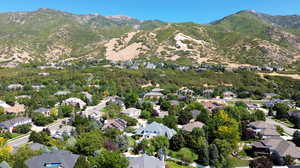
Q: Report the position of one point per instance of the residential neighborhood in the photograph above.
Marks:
(141, 121)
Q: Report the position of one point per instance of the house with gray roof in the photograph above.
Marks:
(62, 93)
(145, 161)
(263, 129)
(155, 129)
(132, 112)
(269, 133)
(9, 125)
(55, 159)
(37, 146)
(64, 130)
(4, 164)
(270, 95)
(76, 102)
(229, 95)
(15, 87)
(174, 102)
(157, 90)
(93, 112)
(153, 95)
(277, 146)
(42, 110)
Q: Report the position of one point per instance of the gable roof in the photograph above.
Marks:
(37, 146)
(17, 108)
(281, 146)
(65, 158)
(42, 110)
(131, 111)
(4, 164)
(10, 123)
(269, 132)
(190, 126)
(156, 128)
(145, 161)
(260, 125)
(115, 123)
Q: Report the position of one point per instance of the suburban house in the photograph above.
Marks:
(9, 125)
(115, 123)
(93, 112)
(174, 102)
(271, 103)
(277, 146)
(145, 161)
(132, 112)
(210, 105)
(116, 100)
(38, 87)
(270, 95)
(155, 129)
(190, 126)
(3, 104)
(55, 159)
(37, 146)
(17, 109)
(157, 90)
(4, 164)
(62, 93)
(65, 130)
(15, 86)
(42, 110)
(76, 102)
(252, 106)
(229, 95)
(153, 95)
(185, 91)
(208, 93)
(263, 129)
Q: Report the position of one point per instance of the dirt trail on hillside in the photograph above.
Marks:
(294, 76)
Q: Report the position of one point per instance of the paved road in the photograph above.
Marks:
(287, 129)
(15, 143)
(19, 141)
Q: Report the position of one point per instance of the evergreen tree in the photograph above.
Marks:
(213, 155)
(82, 162)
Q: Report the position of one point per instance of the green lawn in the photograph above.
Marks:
(239, 163)
(171, 164)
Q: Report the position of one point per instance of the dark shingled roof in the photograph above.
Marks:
(65, 158)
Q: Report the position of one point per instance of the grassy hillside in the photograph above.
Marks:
(246, 37)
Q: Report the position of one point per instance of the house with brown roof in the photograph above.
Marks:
(190, 126)
(115, 123)
(276, 146)
(17, 109)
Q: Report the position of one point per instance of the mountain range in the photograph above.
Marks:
(246, 37)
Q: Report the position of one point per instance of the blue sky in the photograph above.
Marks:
(201, 11)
